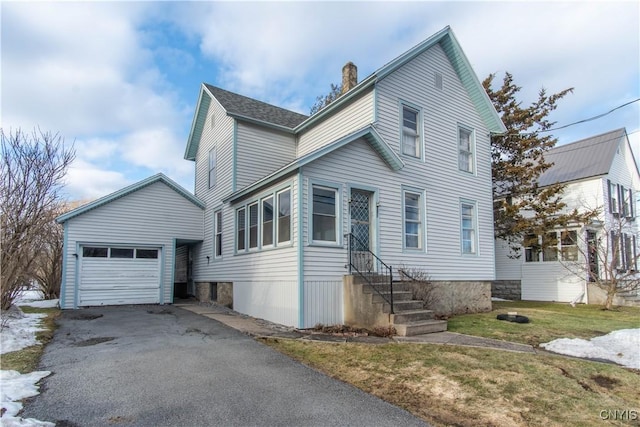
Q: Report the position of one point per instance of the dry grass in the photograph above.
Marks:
(549, 321)
(448, 385)
(27, 359)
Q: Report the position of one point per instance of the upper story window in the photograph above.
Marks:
(284, 216)
(325, 214)
(465, 150)
(469, 227)
(411, 140)
(212, 167)
(413, 214)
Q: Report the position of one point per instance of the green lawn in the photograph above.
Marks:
(548, 321)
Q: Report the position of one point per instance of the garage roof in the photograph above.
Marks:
(131, 189)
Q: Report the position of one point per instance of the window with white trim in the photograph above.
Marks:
(569, 245)
(550, 246)
(411, 132)
(413, 215)
(531, 248)
(212, 167)
(217, 230)
(468, 226)
(284, 216)
(241, 227)
(465, 149)
(253, 226)
(324, 214)
(267, 221)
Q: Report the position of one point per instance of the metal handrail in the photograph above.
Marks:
(367, 277)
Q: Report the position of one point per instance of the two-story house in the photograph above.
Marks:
(599, 173)
(401, 160)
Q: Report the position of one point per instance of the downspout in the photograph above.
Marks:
(299, 194)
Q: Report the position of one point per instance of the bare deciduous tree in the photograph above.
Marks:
(32, 170)
(608, 259)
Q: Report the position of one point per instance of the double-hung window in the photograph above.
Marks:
(324, 217)
(253, 226)
(468, 226)
(241, 227)
(267, 221)
(284, 216)
(217, 240)
(411, 132)
(532, 248)
(212, 167)
(569, 245)
(465, 149)
(550, 246)
(413, 228)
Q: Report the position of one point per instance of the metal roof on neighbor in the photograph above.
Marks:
(582, 159)
(252, 108)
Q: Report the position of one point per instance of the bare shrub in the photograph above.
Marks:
(420, 284)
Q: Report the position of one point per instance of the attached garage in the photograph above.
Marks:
(119, 275)
(121, 249)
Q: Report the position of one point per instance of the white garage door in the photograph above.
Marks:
(117, 275)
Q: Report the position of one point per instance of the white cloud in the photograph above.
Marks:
(156, 149)
(87, 181)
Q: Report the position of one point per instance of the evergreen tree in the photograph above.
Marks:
(521, 206)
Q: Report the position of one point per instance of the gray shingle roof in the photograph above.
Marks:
(582, 159)
(254, 109)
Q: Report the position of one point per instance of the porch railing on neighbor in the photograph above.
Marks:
(367, 265)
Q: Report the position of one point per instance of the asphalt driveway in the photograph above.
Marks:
(165, 366)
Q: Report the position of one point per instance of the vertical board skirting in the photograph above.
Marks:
(323, 303)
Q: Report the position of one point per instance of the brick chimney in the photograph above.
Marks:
(349, 76)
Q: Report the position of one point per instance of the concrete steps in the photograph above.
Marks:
(409, 317)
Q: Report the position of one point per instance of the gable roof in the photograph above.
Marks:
(460, 63)
(246, 108)
(369, 133)
(586, 158)
(128, 190)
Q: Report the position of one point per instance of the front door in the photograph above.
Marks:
(360, 210)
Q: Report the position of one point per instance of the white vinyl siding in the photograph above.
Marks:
(260, 152)
(356, 116)
(152, 217)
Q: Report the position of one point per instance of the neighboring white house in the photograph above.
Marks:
(401, 159)
(599, 173)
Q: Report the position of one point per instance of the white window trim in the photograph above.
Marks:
(213, 170)
(338, 214)
(258, 201)
(472, 148)
(258, 225)
(419, 129)
(423, 220)
(277, 218)
(217, 223)
(273, 222)
(474, 210)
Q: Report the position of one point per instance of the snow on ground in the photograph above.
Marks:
(621, 347)
(20, 332)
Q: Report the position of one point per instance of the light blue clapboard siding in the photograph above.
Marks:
(357, 115)
(272, 273)
(445, 185)
(261, 152)
(153, 216)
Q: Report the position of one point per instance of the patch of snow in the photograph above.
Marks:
(15, 387)
(26, 295)
(45, 303)
(621, 347)
(19, 330)
(499, 299)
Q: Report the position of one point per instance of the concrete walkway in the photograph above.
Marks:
(262, 328)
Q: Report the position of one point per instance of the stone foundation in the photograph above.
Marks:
(447, 298)
(203, 291)
(225, 294)
(507, 289)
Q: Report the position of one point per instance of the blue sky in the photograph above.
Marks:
(121, 79)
